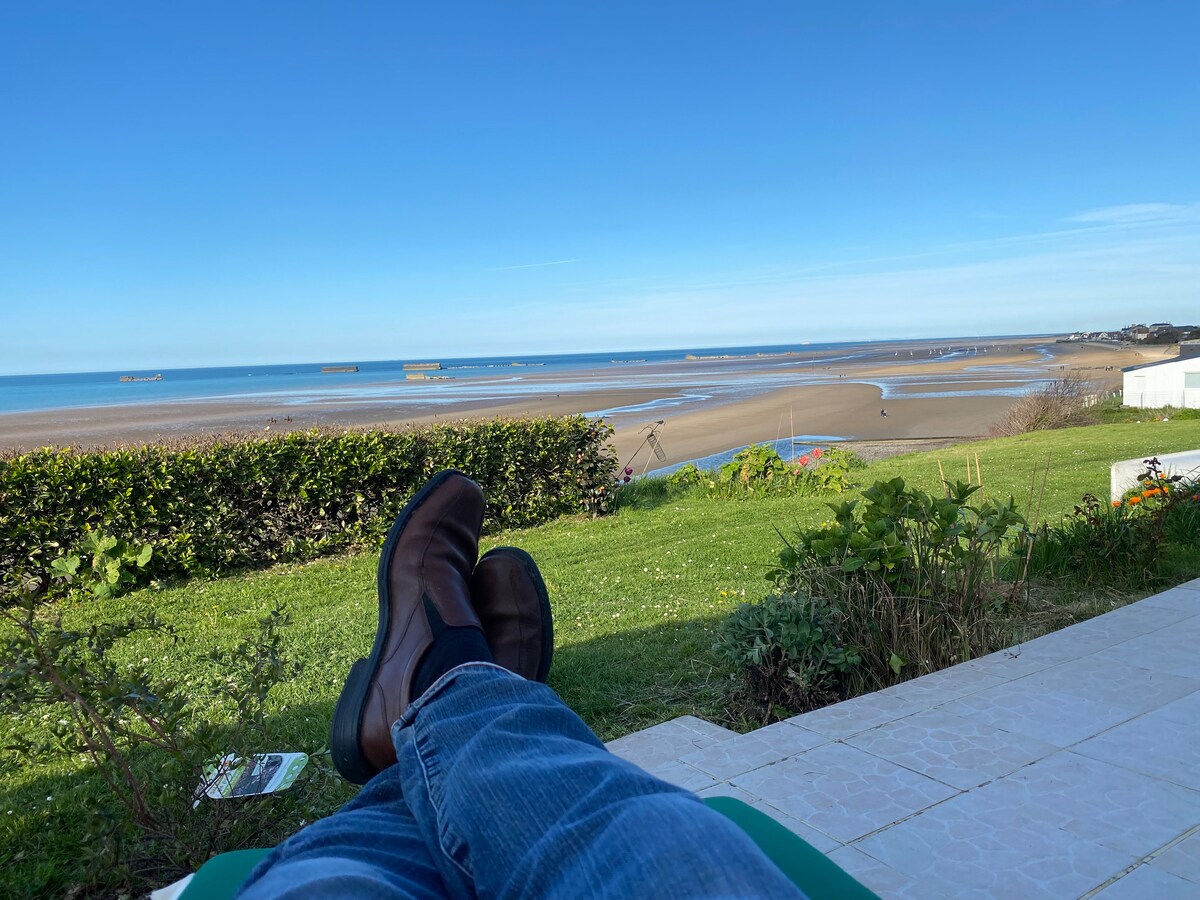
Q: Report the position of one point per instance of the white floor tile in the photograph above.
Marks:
(746, 752)
(1148, 883)
(843, 791)
(962, 753)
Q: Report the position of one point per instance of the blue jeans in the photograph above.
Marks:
(501, 791)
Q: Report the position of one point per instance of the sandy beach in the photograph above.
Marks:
(707, 405)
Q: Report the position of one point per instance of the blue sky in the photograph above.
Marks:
(191, 184)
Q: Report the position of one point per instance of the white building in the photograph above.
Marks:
(1172, 382)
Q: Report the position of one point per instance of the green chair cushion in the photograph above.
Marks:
(805, 866)
(221, 876)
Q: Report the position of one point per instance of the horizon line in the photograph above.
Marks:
(400, 359)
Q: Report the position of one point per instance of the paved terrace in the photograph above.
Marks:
(1065, 767)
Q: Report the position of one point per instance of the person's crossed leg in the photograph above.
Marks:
(480, 780)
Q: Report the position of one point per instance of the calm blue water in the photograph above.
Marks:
(471, 378)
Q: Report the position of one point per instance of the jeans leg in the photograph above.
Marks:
(369, 848)
(524, 801)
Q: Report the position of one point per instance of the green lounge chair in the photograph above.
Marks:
(808, 868)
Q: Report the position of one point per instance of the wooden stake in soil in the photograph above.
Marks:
(1045, 476)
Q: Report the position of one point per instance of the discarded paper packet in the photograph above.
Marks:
(264, 773)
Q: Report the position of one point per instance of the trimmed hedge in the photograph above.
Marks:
(224, 505)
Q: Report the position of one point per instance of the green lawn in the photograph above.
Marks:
(635, 595)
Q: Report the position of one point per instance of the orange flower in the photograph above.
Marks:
(1116, 503)
(1135, 499)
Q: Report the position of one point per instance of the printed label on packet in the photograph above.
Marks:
(264, 773)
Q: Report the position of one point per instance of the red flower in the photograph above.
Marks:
(817, 452)
(804, 460)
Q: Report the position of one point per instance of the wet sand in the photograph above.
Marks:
(707, 405)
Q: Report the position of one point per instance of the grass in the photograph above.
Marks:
(1111, 411)
(636, 597)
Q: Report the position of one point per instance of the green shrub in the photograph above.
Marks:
(755, 466)
(1096, 544)
(226, 505)
(759, 471)
(789, 649)
(828, 471)
(1182, 516)
(152, 740)
(847, 458)
(688, 476)
(1125, 542)
(914, 576)
(110, 564)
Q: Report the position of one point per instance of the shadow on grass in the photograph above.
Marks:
(647, 492)
(622, 682)
(617, 683)
(51, 841)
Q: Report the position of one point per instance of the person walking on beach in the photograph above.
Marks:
(883, 413)
(480, 781)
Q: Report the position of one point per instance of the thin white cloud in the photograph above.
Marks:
(556, 262)
(1137, 213)
(1091, 284)
(1110, 232)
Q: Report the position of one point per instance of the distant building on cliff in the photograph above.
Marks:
(1171, 382)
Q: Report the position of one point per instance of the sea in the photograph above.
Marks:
(502, 377)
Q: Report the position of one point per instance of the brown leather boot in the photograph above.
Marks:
(424, 572)
(511, 601)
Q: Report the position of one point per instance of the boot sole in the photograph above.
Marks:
(344, 746)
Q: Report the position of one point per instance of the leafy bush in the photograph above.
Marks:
(110, 564)
(1096, 544)
(1181, 523)
(687, 476)
(830, 469)
(1122, 542)
(789, 649)
(914, 576)
(148, 739)
(758, 470)
(754, 466)
(220, 506)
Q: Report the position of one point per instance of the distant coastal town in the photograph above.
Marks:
(1158, 333)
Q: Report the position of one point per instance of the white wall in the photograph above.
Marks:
(1164, 384)
(1123, 475)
